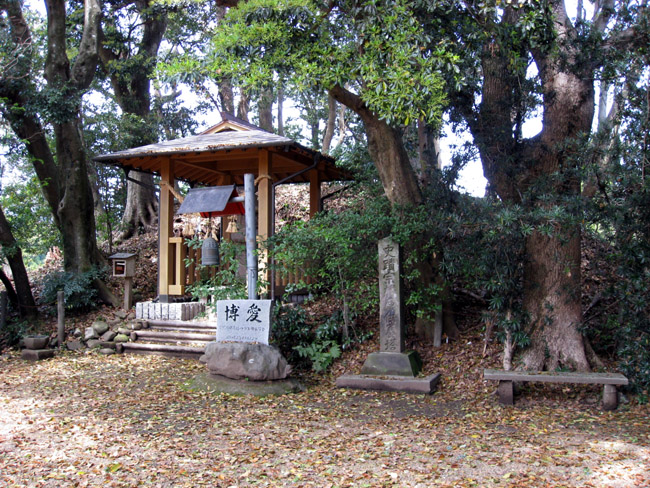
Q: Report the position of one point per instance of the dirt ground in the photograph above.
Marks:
(82, 419)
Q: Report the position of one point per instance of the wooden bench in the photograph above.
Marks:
(506, 379)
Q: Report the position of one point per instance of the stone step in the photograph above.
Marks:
(188, 330)
(170, 350)
(179, 325)
(171, 336)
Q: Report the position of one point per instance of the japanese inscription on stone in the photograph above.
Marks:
(243, 321)
(391, 316)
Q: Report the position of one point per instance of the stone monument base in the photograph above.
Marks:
(212, 383)
(37, 354)
(392, 364)
(390, 383)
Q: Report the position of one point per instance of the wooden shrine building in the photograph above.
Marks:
(220, 156)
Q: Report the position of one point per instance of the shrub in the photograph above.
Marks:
(78, 288)
(303, 344)
(290, 329)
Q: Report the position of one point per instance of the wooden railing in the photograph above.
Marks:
(181, 275)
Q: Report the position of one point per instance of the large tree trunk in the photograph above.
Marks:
(552, 300)
(514, 167)
(64, 178)
(75, 208)
(133, 94)
(141, 206)
(23, 291)
(226, 96)
(265, 109)
(243, 106)
(330, 125)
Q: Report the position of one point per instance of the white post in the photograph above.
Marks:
(251, 238)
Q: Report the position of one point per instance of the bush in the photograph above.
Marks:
(303, 344)
(290, 329)
(226, 283)
(78, 288)
(12, 332)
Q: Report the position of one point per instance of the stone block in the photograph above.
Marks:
(121, 314)
(107, 351)
(93, 343)
(610, 397)
(392, 363)
(506, 393)
(138, 310)
(36, 342)
(37, 354)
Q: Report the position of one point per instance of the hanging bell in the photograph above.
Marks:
(232, 225)
(210, 252)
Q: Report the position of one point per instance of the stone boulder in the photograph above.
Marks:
(100, 327)
(90, 334)
(121, 338)
(108, 336)
(240, 360)
(74, 345)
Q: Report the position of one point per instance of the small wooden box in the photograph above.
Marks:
(123, 264)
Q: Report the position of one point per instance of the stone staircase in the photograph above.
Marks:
(175, 338)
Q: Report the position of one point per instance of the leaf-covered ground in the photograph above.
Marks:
(124, 421)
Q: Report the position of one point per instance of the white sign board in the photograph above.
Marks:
(243, 321)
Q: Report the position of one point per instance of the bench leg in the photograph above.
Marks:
(506, 393)
(610, 397)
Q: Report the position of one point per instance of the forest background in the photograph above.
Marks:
(556, 252)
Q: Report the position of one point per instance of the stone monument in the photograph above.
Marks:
(392, 359)
(241, 350)
(392, 368)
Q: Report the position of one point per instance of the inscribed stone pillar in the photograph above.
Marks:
(391, 309)
(391, 359)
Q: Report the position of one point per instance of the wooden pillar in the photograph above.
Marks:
(264, 220)
(165, 229)
(314, 193)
